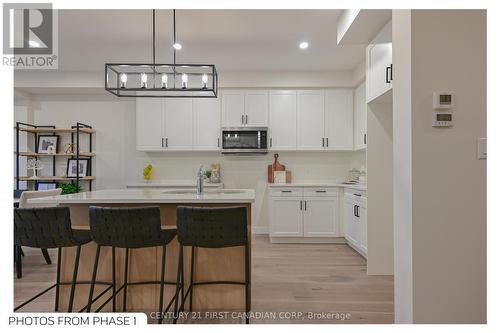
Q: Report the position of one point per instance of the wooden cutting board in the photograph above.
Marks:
(276, 166)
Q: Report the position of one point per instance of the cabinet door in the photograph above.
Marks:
(149, 124)
(360, 117)
(363, 230)
(310, 120)
(379, 58)
(285, 216)
(179, 124)
(339, 119)
(233, 108)
(320, 217)
(351, 229)
(256, 108)
(206, 114)
(283, 120)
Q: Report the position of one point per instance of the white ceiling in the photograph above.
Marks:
(234, 40)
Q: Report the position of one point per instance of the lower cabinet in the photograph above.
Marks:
(355, 223)
(304, 213)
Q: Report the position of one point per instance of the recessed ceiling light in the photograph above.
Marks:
(34, 44)
(177, 46)
(304, 45)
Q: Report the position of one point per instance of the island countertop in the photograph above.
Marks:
(152, 196)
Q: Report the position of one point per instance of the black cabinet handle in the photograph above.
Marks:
(246, 118)
(162, 142)
(320, 191)
(218, 142)
(270, 142)
(354, 210)
(242, 120)
(166, 142)
(322, 142)
(300, 204)
(356, 194)
(364, 138)
(286, 191)
(387, 75)
(305, 204)
(327, 142)
(391, 73)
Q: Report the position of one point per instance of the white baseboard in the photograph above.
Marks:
(260, 230)
(307, 240)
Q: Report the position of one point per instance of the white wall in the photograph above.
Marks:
(402, 168)
(118, 162)
(448, 182)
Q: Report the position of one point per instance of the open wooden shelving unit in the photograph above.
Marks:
(76, 132)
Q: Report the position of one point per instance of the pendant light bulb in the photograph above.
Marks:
(184, 80)
(204, 79)
(144, 80)
(123, 80)
(177, 46)
(164, 81)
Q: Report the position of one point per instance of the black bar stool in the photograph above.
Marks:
(129, 228)
(48, 228)
(212, 228)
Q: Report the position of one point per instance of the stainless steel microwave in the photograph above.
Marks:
(244, 140)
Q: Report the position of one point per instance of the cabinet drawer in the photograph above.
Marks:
(285, 192)
(355, 192)
(321, 191)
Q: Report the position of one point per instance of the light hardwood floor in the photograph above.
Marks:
(287, 279)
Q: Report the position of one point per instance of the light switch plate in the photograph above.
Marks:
(481, 148)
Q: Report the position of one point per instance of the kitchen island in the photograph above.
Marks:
(211, 264)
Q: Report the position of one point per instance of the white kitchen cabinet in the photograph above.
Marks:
(360, 117)
(310, 120)
(233, 108)
(206, 116)
(256, 108)
(149, 120)
(355, 222)
(339, 119)
(178, 124)
(245, 108)
(283, 120)
(303, 213)
(286, 214)
(378, 70)
(320, 217)
(363, 237)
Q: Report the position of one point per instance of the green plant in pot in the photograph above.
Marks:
(207, 174)
(69, 188)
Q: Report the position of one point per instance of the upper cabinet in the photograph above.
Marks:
(283, 120)
(233, 108)
(310, 119)
(206, 115)
(298, 120)
(379, 70)
(339, 119)
(177, 124)
(178, 120)
(245, 108)
(149, 124)
(360, 117)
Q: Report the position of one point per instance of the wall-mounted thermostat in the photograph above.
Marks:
(443, 100)
(442, 119)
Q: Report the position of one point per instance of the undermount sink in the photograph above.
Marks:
(210, 191)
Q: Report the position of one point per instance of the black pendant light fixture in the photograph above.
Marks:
(161, 80)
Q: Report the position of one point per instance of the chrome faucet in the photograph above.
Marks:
(199, 181)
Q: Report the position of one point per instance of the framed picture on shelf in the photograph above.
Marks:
(47, 144)
(72, 169)
(45, 186)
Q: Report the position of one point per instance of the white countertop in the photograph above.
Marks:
(361, 187)
(151, 196)
(174, 184)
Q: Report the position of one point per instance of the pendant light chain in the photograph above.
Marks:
(154, 37)
(175, 37)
